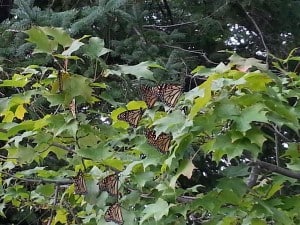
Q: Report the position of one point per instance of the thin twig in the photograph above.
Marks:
(168, 26)
(71, 210)
(200, 52)
(63, 147)
(259, 32)
(276, 147)
(54, 204)
(274, 129)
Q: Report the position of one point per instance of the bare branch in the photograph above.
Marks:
(54, 204)
(168, 26)
(39, 181)
(259, 32)
(200, 52)
(252, 179)
(273, 168)
(186, 199)
(72, 211)
(63, 147)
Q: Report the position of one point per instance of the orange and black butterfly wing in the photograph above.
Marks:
(110, 184)
(162, 142)
(79, 184)
(131, 116)
(149, 95)
(169, 93)
(114, 214)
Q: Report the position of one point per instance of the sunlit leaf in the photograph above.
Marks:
(58, 34)
(61, 216)
(186, 168)
(43, 44)
(20, 112)
(140, 71)
(250, 114)
(95, 48)
(156, 210)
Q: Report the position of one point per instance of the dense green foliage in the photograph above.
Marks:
(234, 156)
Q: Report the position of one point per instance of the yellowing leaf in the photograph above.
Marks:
(41, 123)
(202, 101)
(20, 111)
(61, 216)
(8, 116)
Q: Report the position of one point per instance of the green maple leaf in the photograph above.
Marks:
(250, 114)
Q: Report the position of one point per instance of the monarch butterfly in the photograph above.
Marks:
(161, 142)
(149, 95)
(114, 214)
(79, 184)
(131, 116)
(110, 184)
(169, 93)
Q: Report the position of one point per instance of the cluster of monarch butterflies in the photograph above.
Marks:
(110, 184)
(166, 93)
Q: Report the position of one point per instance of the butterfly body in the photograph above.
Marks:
(161, 142)
(131, 116)
(110, 184)
(79, 184)
(114, 214)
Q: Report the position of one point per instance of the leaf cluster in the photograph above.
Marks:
(242, 112)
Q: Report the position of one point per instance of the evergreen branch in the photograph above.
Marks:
(273, 168)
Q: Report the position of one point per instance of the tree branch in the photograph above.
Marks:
(273, 168)
(54, 204)
(259, 33)
(168, 11)
(58, 182)
(252, 179)
(200, 52)
(168, 26)
(63, 147)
